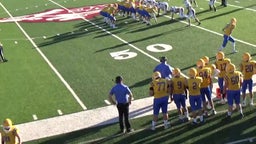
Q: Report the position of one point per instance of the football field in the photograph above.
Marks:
(62, 57)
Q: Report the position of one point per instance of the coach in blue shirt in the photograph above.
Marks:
(164, 68)
(123, 96)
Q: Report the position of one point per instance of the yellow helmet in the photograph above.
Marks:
(156, 75)
(200, 63)
(230, 68)
(7, 122)
(246, 56)
(220, 55)
(233, 20)
(192, 72)
(206, 59)
(7, 125)
(176, 72)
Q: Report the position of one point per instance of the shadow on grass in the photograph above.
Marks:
(229, 12)
(215, 130)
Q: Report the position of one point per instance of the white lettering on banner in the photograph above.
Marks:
(58, 15)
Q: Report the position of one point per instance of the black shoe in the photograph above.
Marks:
(5, 60)
(228, 117)
(241, 116)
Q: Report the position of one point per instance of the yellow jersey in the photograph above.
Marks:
(247, 69)
(9, 137)
(205, 73)
(194, 86)
(178, 85)
(221, 66)
(228, 29)
(161, 87)
(233, 80)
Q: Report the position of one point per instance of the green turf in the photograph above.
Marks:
(28, 85)
(216, 130)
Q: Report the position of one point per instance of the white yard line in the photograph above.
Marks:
(122, 40)
(251, 139)
(47, 61)
(100, 116)
(249, 9)
(213, 32)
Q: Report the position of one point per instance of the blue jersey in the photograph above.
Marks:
(121, 93)
(164, 69)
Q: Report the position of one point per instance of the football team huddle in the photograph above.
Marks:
(197, 87)
(145, 10)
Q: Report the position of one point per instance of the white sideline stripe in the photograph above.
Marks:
(47, 61)
(219, 34)
(34, 117)
(107, 102)
(239, 7)
(60, 112)
(251, 139)
(131, 45)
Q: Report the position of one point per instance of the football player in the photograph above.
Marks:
(247, 68)
(194, 84)
(9, 133)
(164, 6)
(164, 68)
(195, 3)
(2, 53)
(160, 89)
(221, 63)
(177, 10)
(228, 29)
(233, 82)
(192, 14)
(205, 73)
(149, 12)
(215, 71)
(179, 94)
(212, 5)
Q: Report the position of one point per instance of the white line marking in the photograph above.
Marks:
(35, 117)
(219, 34)
(60, 112)
(131, 45)
(251, 139)
(239, 7)
(47, 61)
(107, 102)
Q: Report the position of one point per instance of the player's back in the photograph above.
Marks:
(194, 85)
(178, 85)
(234, 80)
(160, 87)
(248, 69)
